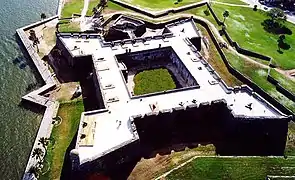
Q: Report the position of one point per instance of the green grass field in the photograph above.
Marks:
(62, 136)
(160, 4)
(151, 81)
(233, 168)
(92, 4)
(71, 7)
(285, 82)
(244, 26)
(68, 26)
(232, 2)
(290, 144)
(259, 76)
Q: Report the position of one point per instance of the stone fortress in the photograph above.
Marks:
(201, 110)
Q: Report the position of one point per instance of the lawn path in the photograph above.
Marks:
(229, 4)
(84, 11)
(83, 14)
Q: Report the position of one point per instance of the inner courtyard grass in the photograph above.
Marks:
(61, 138)
(233, 168)
(71, 7)
(155, 80)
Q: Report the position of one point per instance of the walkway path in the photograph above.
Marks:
(85, 9)
(83, 19)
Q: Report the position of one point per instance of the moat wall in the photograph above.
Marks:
(207, 123)
(212, 123)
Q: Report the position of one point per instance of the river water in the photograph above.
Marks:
(18, 125)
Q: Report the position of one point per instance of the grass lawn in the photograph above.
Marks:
(92, 4)
(153, 167)
(244, 26)
(160, 4)
(290, 144)
(233, 168)
(232, 2)
(69, 26)
(62, 136)
(284, 81)
(72, 6)
(112, 7)
(151, 81)
(259, 76)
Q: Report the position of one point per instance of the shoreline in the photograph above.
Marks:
(46, 125)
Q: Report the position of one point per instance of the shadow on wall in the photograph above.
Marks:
(207, 124)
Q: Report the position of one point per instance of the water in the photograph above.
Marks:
(18, 126)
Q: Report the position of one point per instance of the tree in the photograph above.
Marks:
(103, 3)
(276, 14)
(43, 16)
(255, 8)
(44, 142)
(37, 153)
(34, 171)
(94, 10)
(225, 15)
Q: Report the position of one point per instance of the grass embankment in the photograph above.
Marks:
(151, 81)
(160, 4)
(92, 4)
(244, 26)
(71, 7)
(217, 63)
(112, 7)
(259, 76)
(290, 144)
(109, 8)
(62, 136)
(232, 2)
(233, 168)
(285, 82)
(68, 26)
(154, 167)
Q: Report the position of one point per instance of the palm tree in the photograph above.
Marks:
(225, 15)
(34, 38)
(43, 16)
(44, 142)
(37, 153)
(103, 3)
(34, 171)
